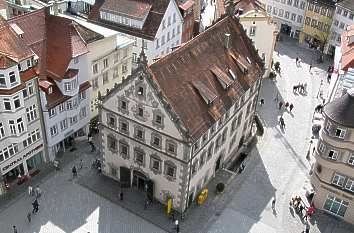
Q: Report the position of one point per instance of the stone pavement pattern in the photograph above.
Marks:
(67, 207)
(280, 168)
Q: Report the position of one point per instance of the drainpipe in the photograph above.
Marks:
(189, 181)
(41, 118)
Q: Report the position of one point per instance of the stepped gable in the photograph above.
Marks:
(192, 79)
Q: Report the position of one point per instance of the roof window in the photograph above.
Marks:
(204, 92)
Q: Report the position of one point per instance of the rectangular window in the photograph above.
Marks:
(139, 157)
(351, 160)
(124, 68)
(299, 18)
(13, 80)
(296, 3)
(302, 5)
(2, 81)
(12, 127)
(2, 130)
(324, 11)
(67, 86)
(31, 113)
(287, 13)
(105, 63)
(281, 12)
(275, 11)
(170, 171)
(124, 127)
(105, 77)
(328, 126)
(335, 205)
(155, 164)
(53, 130)
(171, 147)
(83, 112)
(332, 154)
(61, 107)
(30, 88)
(317, 9)
(52, 112)
(20, 125)
(350, 185)
(269, 8)
(95, 68)
(322, 147)
(112, 143)
(308, 21)
(64, 124)
(123, 150)
(290, 2)
(340, 133)
(156, 141)
(339, 11)
(17, 102)
(338, 180)
(7, 104)
(140, 112)
(293, 16)
(252, 30)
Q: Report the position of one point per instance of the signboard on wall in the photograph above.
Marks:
(17, 159)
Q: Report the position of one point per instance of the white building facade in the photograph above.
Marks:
(288, 14)
(147, 142)
(21, 143)
(156, 34)
(343, 17)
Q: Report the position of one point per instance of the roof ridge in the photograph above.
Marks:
(185, 45)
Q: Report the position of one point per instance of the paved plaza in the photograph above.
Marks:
(276, 167)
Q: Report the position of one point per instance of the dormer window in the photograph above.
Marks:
(29, 63)
(141, 91)
(50, 90)
(340, 133)
(140, 112)
(67, 86)
(19, 67)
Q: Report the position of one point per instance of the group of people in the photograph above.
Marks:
(37, 193)
(299, 206)
(300, 88)
(286, 105)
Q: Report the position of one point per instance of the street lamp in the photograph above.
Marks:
(177, 226)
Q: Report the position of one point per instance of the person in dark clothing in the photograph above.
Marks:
(35, 205)
(280, 105)
(121, 196)
(291, 107)
(74, 171)
(15, 229)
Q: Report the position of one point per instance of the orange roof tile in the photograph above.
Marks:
(348, 48)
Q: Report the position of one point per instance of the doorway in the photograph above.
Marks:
(139, 180)
(217, 164)
(190, 200)
(124, 177)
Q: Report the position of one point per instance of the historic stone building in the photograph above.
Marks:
(169, 127)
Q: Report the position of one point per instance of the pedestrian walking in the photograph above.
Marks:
(38, 192)
(286, 104)
(296, 61)
(262, 102)
(15, 229)
(74, 171)
(29, 217)
(30, 190)
(291, 107)
(273, 203)
(276, 97)
(81, 163)
(121, 196)
(35, 206)
(310, 67)
(280, 105)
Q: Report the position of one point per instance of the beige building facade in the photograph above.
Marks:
(333, 172)
(169, 144)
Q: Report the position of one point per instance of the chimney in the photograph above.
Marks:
(227, 40)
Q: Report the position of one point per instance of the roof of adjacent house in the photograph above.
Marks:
(202, 79)
(132, 8)
(245, 5)
(152, 22)
(56, 41)
(185, 5)
(347, 47)
(348, 4)
(12, 48)
(341, 110)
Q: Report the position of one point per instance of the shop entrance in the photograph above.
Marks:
(12, 175)
(139, 180)
(35, 161)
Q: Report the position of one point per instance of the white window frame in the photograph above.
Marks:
(338, 180)
(351, 159)
(322, 147)
(2, 130)
(54, 130)
(52, 112)
(341, 134)
(335, 154)
(349, 185)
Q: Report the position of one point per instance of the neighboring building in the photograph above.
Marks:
(3, 9)
(333, 172)
(343, 17)
(318, 21)
(186, 9)
(155, 25)
(110, 60)
(258, 25)
(61, 45)
(288, 14)
(21, 143)
(169, 127)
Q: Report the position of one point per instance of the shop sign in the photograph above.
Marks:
(19, 159)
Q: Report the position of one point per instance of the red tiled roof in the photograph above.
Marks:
(11, 45)
(348, 48)
(71, 73)
(186, 5)
(150, 27)
(245, 5)
(6, 62)
(132, 8)
(28, 74)
(186, 76)
(45, 84)
(57, 97)
(54, 39)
